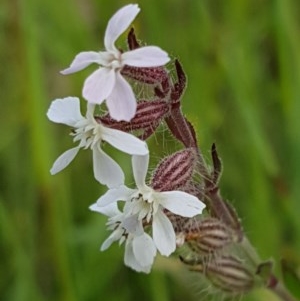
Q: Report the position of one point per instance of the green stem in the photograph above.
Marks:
(280, 290)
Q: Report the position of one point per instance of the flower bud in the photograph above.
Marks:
(208, 235)
(175, 171)
(226, 273)
(230, 274)
(151, 76)
(148, 116)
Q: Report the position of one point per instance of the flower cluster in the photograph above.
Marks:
(164, 210)
(143, 221)
(145, 206)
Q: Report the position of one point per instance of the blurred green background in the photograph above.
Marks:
(242, 59)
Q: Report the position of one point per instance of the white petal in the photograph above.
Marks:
(130, 260)
(116, 235)
(133, 225)
(140, 168)
(118, 23)
(163, 234)
(64, 160)
(90, 109)
(99, 85)
(181, 203)
(149, 56)
(113, 195)
(121, 103)
(106, 170)
(82, 60)
(65, 111)
(144, 249)
(109, 210)
(125, 142)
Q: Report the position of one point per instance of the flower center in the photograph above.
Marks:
(88, 132)
(144, 204)
(111, 59)
(116, 61)
(116, 64)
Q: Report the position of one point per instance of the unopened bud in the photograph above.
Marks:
(230, 274)
(149, 75)
(208, 235)
(148, 115)
(174, 171)
(226, 273)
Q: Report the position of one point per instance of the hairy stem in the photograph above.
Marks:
(180, 128)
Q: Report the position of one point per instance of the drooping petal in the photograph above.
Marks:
(81, 61)
(148, 56)
(140, 168)
(109, 210)
(99, 85)
(65, 111)
(118, 23)
(116, 235)
(181, 203)
(133, 225)
(106, 170)
(64, 160)
(121, 102)
(131, 261)
(125, 142)
(144, 249)
(163, 234)
(113, 195)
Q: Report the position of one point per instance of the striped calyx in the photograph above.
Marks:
(230, 274)
(149, 115)
(175, 171)
(226, 273)
(207, 236)
(150, 76)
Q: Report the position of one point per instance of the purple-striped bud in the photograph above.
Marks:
(148, 116)
(175, 171)
(226, 273)
(149, 75)
(230, 274)
(208, 235)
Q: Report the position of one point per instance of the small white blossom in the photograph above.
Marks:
(90, 134)
(139, 246)
(147, 205)
(107, 81)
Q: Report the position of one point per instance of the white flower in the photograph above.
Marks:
(139, 247)
(147, 205)
(89, 133)
(107, 82)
